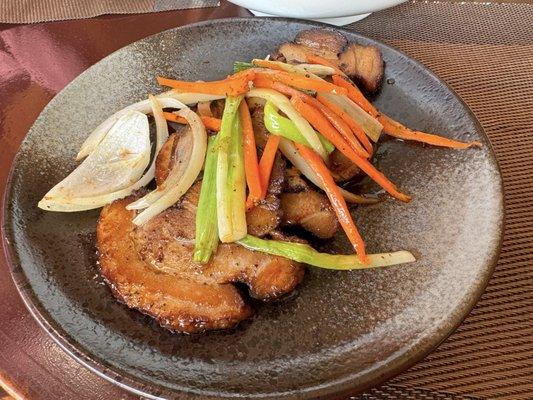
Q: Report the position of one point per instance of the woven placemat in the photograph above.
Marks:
(485, 52)
(30, 11)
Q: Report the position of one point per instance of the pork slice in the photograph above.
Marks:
(364, 64)
(150, 268)
(342, 168)
(310, 210)
(323, 42)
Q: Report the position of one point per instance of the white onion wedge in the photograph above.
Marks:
(183, 154)
(116, 164)
(290, 152)
(190, 99)
(173, 193)
(101, 130)
(315, 69)
(281, 102)
(369, 124)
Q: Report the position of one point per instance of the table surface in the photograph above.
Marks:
(43, 370)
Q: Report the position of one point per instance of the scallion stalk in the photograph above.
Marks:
(278, 125)
(223, 145)
(239, 66)
(237, 182)
(306, 254)
(206, 240)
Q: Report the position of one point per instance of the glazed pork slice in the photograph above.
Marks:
(363, 64)
(302, 206)
(323, 42)
(150, 268)
(310, 210)
(342, 168)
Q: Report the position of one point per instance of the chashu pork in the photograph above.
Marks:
(363, 64)
(150, 268)
(307, 208)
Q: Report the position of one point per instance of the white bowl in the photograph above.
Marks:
(336, 12)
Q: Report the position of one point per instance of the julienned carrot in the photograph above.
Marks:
(314, 59)
(234, 85)
(355, 95)
(211, 123)
(253, 177)
(310, 114)
(337, 201)
(302, 82)
(393, 128)
(354, 126)
(321, 124)
(333, 118)
(267, 161)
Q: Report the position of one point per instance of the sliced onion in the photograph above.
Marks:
(184, 151)
(174, 192)
(291, 153)
(101, 130)
(315, 69)
(190, 99)
(369, 124)
(281, 102)
(116, 164)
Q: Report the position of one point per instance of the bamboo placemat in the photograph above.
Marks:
(485, 52)
(31, 11)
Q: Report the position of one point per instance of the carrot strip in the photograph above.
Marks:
(314, 59)
(312, 116)
(302, 82)
(234, 85)
(267, 162)
(211, 123)
(253, 177)
(337, 201)
(334, 119)
(355, 95)
(321, 124)
(263, 81)
(354, 126)
(393, 128)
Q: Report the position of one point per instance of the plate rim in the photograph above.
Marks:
(388, 370)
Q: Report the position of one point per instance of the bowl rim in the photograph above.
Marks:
(316, 9)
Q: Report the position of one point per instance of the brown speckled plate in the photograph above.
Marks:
(342, 331)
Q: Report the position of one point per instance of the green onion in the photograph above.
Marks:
(237, 182)
(206, 214)
(239, 66)
(306, 254)
(283, 103)
(224, 213)
(278, 125)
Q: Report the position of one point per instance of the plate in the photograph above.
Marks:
(343, 331)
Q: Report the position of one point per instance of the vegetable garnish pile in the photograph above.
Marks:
(311, 110)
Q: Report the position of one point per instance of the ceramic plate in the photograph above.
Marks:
(342, 331)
